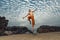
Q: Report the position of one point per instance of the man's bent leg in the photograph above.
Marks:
(29, 19)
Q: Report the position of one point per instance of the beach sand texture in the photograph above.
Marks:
(38, 36)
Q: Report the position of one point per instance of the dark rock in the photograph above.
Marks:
(47, 28)
(3, 24)
(18, 29)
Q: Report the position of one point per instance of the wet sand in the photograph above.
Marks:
(40, 36)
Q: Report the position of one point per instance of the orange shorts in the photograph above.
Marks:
(32, 19)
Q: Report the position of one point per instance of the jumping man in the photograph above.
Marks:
(30, 17)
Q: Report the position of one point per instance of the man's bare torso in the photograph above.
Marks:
(31, 13)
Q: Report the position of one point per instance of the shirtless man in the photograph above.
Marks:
(30, 17)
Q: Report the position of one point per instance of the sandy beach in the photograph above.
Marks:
(38, 36)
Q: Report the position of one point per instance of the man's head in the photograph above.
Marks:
(29, 10)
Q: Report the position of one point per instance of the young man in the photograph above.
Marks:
(30, 17)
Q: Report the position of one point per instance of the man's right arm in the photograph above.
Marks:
(25, 16)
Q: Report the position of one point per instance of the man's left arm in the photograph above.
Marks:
(35, 10)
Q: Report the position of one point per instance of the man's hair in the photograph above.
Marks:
(29, 10)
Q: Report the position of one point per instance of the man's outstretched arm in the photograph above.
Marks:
(35, 10)
(25, 16)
